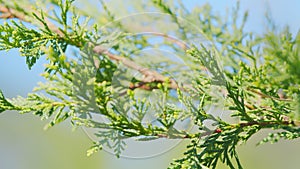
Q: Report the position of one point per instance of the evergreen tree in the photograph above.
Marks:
(157, 74)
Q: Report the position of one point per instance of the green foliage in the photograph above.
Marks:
(29, 41)
(4, 103)
(92, 76)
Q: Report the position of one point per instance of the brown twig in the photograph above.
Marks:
(264, 124)
(9, 13)
(267, 96)
(149, 75)
(176, 41)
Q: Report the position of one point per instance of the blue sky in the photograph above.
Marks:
(283, 12)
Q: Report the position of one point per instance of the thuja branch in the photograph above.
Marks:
(10, 13)
(249, 92)
(149, 75)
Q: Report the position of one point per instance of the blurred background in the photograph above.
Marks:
(25, 145)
